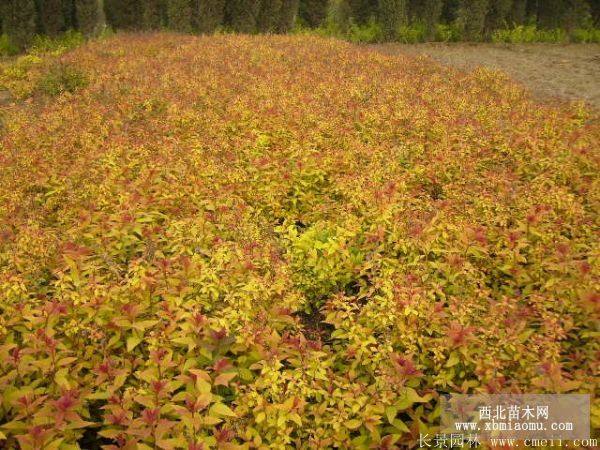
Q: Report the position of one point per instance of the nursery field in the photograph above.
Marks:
(283, 242)
(552, 72)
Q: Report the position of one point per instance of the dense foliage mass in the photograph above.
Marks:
(283, 242)
(358, 20)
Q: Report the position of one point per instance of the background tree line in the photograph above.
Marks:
(476, 19)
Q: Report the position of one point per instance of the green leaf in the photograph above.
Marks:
(453, 360)
(400, 426)
(408, 398)
(295, 417)
(220, 409)
(245, 374)
(144, 324)
(15, 425)
(54, 445)
(204, 387)
(132, 342)
(98, 396)
(61, 378)
(208, 420)
(66, 361)
(390, 413)
(111, 434)
(524, 336)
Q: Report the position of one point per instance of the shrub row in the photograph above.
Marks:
(358, 20)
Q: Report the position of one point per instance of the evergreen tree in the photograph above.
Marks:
(518, 12)
(392, 14)
(153, 14)
(471, 18)
(179, 15)
(23, 18)
(595, 11)
(51, 17)
(339, 15)
(18, 21)
(126, 14)
(576, 14)
(363, 10)
(430, 14)
(550, 13)
(289, 13)
(241, 15)
(90, 16)
(267, 20)
(312, 12)
(450, 11)
(69, 14)
(277, 16)
(209, 15)
(498, 14)
(531, 10)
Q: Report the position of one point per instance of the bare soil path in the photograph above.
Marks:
(551, 71)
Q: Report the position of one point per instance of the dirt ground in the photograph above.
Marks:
(551, 71)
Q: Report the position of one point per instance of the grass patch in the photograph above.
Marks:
(62, 78)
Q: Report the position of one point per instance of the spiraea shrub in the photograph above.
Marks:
(283, 242)
(62, 78)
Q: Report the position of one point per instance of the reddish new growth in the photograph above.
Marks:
(458, 334)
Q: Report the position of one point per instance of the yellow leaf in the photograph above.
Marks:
(390, 413)
(132, 342)
(295, 417)
(353, 424)
(54, 445)
(66, 361)
(453, 360)
(141, 446)
(219, 409)
(185, 341)
(144, 324)
(203, 386)
(60, 378)
(401, 426)
(208, 420)
(224, 379)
